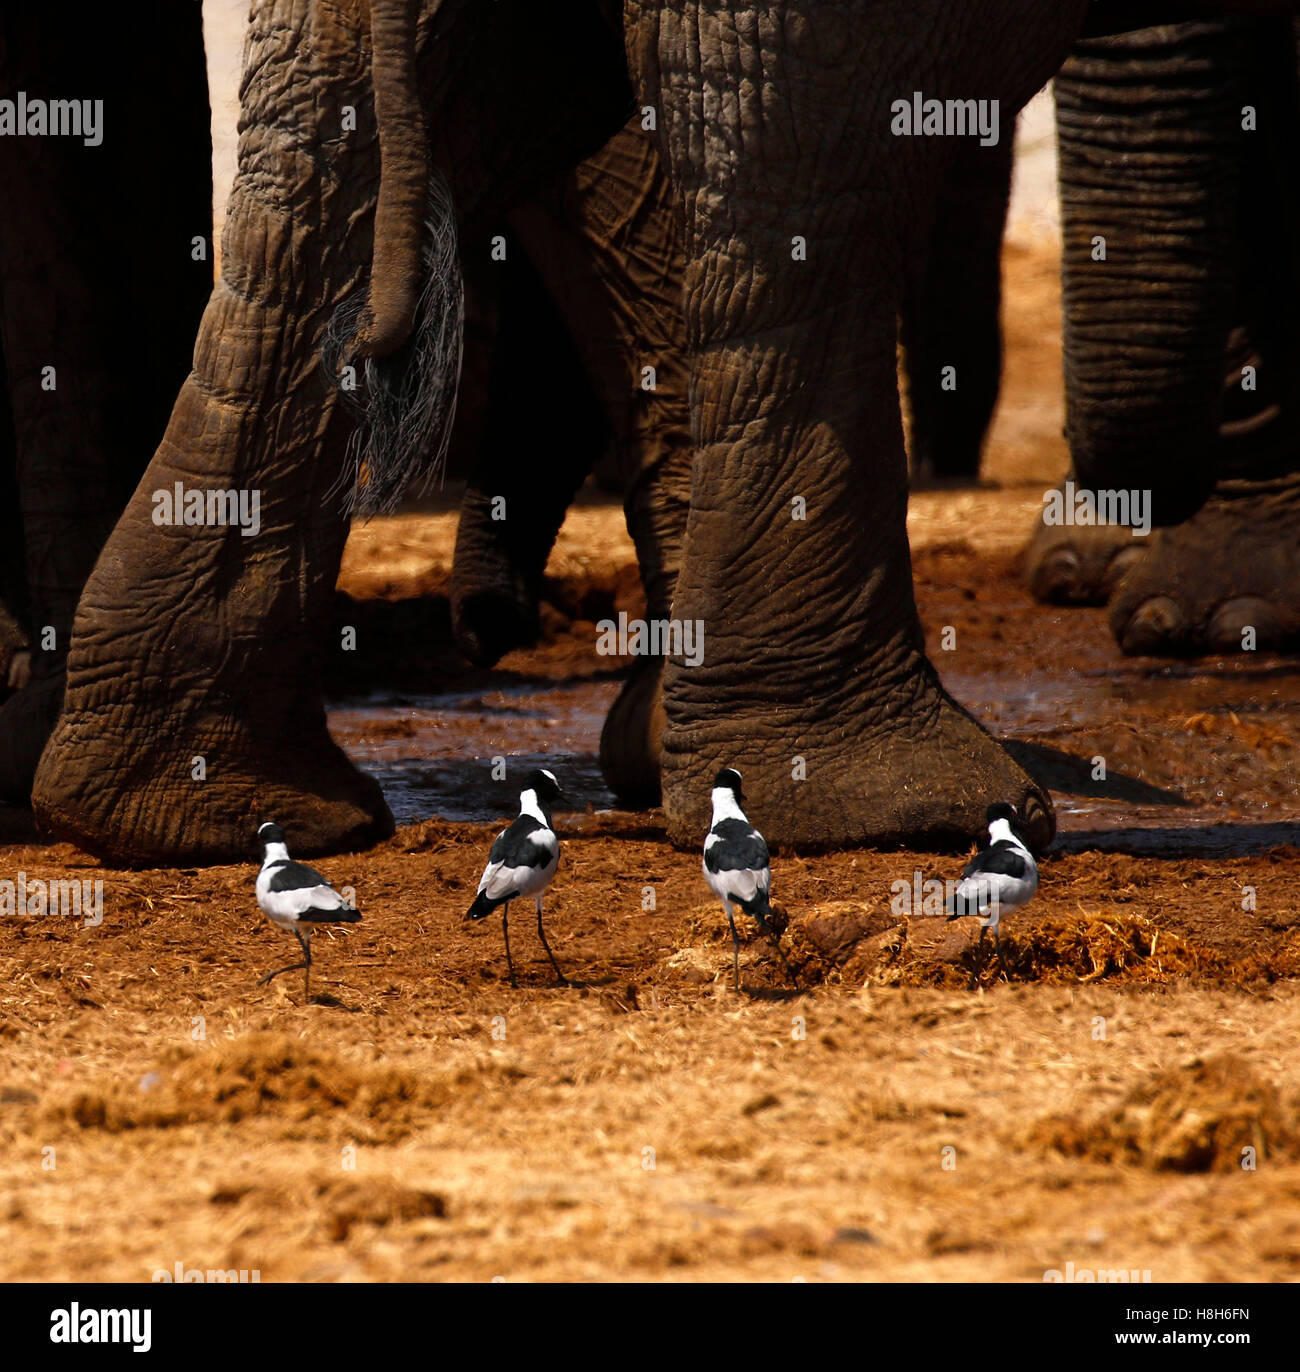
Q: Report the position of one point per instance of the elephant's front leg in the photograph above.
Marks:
(800, 212)
(193, 705)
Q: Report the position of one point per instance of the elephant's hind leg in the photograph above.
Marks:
(802, 213)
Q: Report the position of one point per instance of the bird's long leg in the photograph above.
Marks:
(979, 948)
(505, 929)
(292, 966)
(735, 945)
(270, 976)
(997, 948)
(306, 967)
(562, 980)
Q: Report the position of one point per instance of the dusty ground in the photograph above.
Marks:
(421, 1119)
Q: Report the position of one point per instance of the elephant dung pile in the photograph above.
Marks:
(1212, 1115)
(1051, 948)
(261, 1075)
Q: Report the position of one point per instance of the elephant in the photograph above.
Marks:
(370, 133)
(1181, 354)
(192, 700)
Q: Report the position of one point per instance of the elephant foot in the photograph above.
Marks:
(495, 578)
(488, 624)
(922, 775)
(1079, 564)
(138, 797)
(632, 736)
(1226, 580)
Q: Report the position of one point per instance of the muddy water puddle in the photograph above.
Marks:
(1202, 757)
(435, 756)
(1041, 701)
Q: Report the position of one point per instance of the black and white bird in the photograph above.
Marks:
(296, 897)
(999, 878)
(522, 861)
(737, 866)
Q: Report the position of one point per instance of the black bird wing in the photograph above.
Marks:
(1001, 858)
(520, 861)
(293, 891)
(295, 876)
(516, 846)
(740, 848)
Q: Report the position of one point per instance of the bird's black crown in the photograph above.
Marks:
(729, 778)
(270, 833)
(543, 784)
(1001, 811)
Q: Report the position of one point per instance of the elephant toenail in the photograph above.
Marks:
(1037, 823)
(1155, 626)
(1244, 624)
(1122, 563)
(1054, 579)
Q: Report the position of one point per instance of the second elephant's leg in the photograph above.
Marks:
(1228, 578)
(1178, 224)
(604, 241)
(799, 210)
(951, 327)
(1148, 127)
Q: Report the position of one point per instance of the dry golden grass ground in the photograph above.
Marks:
(423, 1120)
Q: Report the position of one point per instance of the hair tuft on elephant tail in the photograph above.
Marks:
(405, 403)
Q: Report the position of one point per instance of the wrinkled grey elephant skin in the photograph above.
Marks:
(192, 705)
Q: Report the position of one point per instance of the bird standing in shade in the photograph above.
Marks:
(737, 866)
(1001, 877)
(522, 861)
(296, 897)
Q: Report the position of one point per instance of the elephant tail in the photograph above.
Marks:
(402, 335)
(391, 295)
(404, 403)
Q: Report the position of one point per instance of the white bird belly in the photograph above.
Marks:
(740, 884)
(499, 880)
